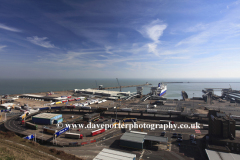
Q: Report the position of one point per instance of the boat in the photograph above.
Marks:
(160, 90)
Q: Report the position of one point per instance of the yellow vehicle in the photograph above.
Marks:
(22, 116)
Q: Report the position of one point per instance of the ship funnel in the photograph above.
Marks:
(159, 84)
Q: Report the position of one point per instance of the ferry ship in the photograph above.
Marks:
(160, 90)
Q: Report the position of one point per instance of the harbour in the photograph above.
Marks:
(112, 107)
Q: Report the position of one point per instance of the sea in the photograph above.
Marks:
(193, 87)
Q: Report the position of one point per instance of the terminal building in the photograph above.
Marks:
(47, 118)
(221, 133)
(139, 140)
(221, 125)
(110, 154)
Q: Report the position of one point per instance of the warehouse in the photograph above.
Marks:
(133, 140)
(47, 118)
(110, 154)
(216, 155)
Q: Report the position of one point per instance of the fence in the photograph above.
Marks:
(75, 144)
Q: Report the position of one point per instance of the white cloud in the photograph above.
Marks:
(154, 31)
(107, 48)
(3, 26)
(1, 47)
(198, 27)
(41, 41)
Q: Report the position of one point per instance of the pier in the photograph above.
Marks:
(106, 88)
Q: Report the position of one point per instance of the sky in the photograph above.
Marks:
(119, 39)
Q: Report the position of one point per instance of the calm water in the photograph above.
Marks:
(20, 86)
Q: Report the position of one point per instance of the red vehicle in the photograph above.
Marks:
(69, 97)
(71, 100)
(64, 101)
(93, 133)
(77, 99)
(70, 107)
(23, 122)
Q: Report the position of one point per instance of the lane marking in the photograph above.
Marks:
(142, 154)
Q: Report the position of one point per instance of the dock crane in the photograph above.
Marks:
(119, 85)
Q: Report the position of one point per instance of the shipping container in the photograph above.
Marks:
(74, 135)
(31, 125)
(59, 102)
(96, 132)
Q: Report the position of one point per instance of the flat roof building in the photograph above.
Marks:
(220, 125)
(46, 118)
(215, 155)
(132, 140)
(109, 154)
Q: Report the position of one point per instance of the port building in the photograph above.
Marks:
(132, 140)
(220, 125)
(47, 118)
(216, 155)
(137, 140)
(110, 154)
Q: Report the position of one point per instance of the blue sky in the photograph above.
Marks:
(123, 38)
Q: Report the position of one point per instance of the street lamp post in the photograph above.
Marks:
(193, 100)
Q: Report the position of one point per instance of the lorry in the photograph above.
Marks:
(74, 135)
(96, 132)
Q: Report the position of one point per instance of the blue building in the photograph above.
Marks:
(47, 118)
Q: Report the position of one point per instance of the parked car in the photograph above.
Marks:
(192, 136)
(194, 142)
(163, 134)
(179, 140)
(180, 136)
(174, 135)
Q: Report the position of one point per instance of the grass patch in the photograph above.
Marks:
(11, 148)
